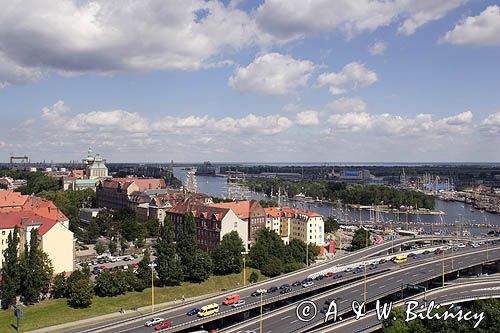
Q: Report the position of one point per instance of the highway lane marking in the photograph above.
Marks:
(285, 317)
(296, 320)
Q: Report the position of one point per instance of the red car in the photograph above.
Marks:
(329, 274)
(135, 266)
(103, 267)
(163, 325)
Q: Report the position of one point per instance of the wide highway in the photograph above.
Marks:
(416, 271)
(178, 315)
(450, 294)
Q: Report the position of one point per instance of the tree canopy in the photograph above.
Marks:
(227, 257)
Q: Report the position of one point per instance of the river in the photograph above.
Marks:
(455, 211)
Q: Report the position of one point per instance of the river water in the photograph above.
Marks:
(455, 211)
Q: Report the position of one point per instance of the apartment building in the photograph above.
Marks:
(212, 223)
(291, 223)
(29, 212)
(249, 211)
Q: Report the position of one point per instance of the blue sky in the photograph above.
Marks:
(275, 81)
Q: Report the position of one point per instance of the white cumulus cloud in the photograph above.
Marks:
(396, 125)
(307, 118)
(353, 76)
(292, 19)
(482, 30)
(347, 104)
(491, 124)
(377, 48)
(272, 74)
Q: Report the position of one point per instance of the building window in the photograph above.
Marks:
(3, 233)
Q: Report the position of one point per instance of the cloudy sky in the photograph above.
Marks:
(241, 80)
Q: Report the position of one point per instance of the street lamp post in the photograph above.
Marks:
(152, 265)
(443, 267)
(244, 253)
(307, 254)
(260, 312)
(364, 290)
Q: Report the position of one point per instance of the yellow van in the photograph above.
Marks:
(208, 310)
(400, 259)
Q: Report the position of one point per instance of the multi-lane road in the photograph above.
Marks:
(428, 267)
(450, 294)
(180, 320)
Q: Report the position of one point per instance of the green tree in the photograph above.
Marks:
(167, 262)
(93, 231)
(111, 284)
(59, 286)
(113, 247)
(268, 203)
(297, 250)
(331, 225)
(153, 227)
(395, 326)
(254, 277)
(313, 253)
(227, 257)
(144, 271)
(39, 182)
(267, 245)
(273, 267)
(133, 281)
(187, 246)
(37, 270)
(104, 220)
(81, 293)
(100, 247)
(202, 267)
(11, 270)
(360, 239)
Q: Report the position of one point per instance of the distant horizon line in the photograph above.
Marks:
(367, 163)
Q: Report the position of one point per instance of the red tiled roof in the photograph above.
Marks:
(9, 199)
(143, 183)
(289, 212)
(199, 210)
(45, 208)
(8, 220)
(240, 208)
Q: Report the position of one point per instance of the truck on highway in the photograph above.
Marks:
(400, 259)
(208, 310)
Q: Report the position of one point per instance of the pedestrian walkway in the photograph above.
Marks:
(117, 315)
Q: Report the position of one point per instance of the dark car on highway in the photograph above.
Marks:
(272, 289)
(296, 284)
(193, 311)
(286, 290)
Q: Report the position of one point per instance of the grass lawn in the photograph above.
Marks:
(54, 312)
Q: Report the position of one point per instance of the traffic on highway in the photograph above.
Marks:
(276, 294)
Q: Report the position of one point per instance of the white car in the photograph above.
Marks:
(475, 245)
(307, 284)
(154, 321)
(461, 245)
(239, 303)
(348, 269)
(261, 291)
